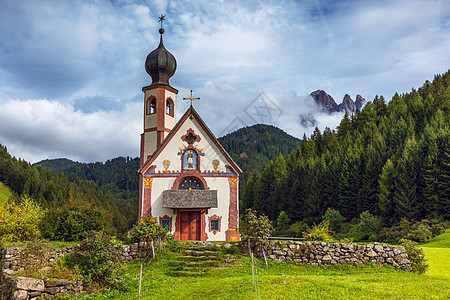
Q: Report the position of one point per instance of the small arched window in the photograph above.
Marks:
(169, 107)
(190, 183)
(151, 106)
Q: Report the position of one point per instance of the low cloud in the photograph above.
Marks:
(38, 129)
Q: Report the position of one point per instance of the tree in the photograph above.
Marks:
(20, 221)
(386, 195)
(334, 217)
(283, 221)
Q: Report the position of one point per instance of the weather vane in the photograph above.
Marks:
(191, 98)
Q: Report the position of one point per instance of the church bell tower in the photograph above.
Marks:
(159, 98)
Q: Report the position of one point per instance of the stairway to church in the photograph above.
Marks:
(195, 259)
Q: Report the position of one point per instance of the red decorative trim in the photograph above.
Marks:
(203, 235)
(214, 217)
(177, 233)
(190, 132)
(166, 217)
(154, 86)
(190, 174)
(233, 213)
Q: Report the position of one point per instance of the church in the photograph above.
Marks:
(187, 181)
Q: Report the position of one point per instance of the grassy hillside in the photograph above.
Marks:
(5, 193)
(294, 281)
(437, 251)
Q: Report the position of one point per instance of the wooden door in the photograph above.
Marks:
(190, 225)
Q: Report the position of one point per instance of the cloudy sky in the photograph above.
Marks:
(71, 72)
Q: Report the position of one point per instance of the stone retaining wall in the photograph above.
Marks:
(321, 253)
(30, 288)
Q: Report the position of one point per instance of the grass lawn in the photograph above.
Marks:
(292, 281)
(5, 193)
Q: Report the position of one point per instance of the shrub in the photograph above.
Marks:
(147, 230)
(283, 221)
(416, 256)
(297, 229)
(20, 221)
(319, 232)
(366, 227)
(97, 257)
(334, 217)
(257, 229)
(35, 255)
(72, 220)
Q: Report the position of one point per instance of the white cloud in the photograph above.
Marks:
(33, 128)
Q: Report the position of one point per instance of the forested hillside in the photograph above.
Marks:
(57, 193)
(392, 160)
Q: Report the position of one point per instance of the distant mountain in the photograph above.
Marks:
(58, 164)
(329, 105)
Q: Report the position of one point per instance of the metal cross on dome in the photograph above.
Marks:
(191, 98)
(161, 19)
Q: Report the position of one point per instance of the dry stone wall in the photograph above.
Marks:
(321, 253)
(31, 288)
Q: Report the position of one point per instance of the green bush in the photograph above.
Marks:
(97, 257)
(319, 232)
(283, 222)
(334, 217)
(366, 227)
(416, 256)
(72, 220)
(257, 229)
(20, 221)
(297, 229)
(148, 230)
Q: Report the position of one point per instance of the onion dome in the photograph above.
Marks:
(160, 63)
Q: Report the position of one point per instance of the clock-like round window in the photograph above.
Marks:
(190, 183)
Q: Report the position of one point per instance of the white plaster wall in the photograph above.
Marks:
(159, 185)
(223, 194)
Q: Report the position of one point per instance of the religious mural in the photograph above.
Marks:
(190, 160)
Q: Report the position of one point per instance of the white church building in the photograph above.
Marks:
(188, 182)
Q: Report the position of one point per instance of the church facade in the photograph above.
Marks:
(188, 182)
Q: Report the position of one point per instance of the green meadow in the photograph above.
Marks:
(292, 281)
(5, 193)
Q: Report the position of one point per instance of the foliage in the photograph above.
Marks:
(334, 217)
(283, 221)
(256, 229)
(366, 227)
(416, 256)
(148, 230)
(50, 189)
(97, 257)
(417, 231)
(297, 229)
(35, 255)
(73, 219)
(20, 221)
(319, 232)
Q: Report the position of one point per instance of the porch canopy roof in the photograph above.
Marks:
(190, 199)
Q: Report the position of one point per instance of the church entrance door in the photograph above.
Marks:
(190, 225)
